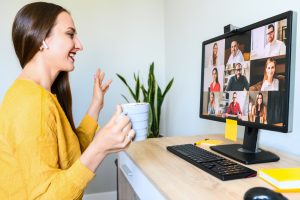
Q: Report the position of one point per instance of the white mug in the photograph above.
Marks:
(138, 115)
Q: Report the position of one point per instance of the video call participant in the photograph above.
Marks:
(238, 82)
(259, 110)
(236, 55)
(270, 83)
(234, 107)
(214, 59)
(274, 47)
(212, 104)
(215, 85)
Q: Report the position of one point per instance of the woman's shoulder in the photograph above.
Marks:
(28, 107)
(25, 95)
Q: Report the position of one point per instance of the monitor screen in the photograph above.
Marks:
(246, 75)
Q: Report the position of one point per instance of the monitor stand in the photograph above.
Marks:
(248, 152)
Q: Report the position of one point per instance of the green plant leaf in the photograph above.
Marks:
(137, 89)
(124, 81)
(125, 98)
(145, 93)
(159, 100)
(151, 76)
(168, 87)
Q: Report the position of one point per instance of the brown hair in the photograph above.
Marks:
(215, 55)
(32, 24)
(262, 105)
(216, 70)
(269, 60)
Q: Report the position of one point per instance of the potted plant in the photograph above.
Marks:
(152, 94)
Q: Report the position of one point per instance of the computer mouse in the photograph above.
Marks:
(262, 193)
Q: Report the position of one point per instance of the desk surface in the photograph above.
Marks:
(178, 179)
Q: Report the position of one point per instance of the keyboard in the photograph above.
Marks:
(211, 163)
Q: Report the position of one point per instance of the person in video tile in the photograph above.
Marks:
(234, 107)
(274, 47)
(259, 110)
(215, 85)
(238, 82)
(236, 55)
(270, 83)
(212, 104)
(214, 59)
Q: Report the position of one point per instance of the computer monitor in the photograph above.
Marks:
(248, 75)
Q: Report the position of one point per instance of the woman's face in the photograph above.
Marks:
(214, 75)
(270, 69)
(259, 99)
(63, 44)
(215, 49)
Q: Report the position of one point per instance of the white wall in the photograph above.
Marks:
(187, 24)
(118, 36)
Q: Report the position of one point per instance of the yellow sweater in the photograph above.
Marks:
(39, 152)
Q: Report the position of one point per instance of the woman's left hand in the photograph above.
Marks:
(98, 95)
(100, 88)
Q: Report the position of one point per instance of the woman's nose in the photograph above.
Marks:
(78, 44)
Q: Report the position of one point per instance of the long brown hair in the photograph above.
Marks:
(216, 70)
(215, 55)
(262, 105)
(32, 24)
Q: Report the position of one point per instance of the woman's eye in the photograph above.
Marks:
(71, 35)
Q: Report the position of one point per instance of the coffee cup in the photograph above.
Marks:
(138, 115)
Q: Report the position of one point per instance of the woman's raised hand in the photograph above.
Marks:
(100, 88)
(99, 92)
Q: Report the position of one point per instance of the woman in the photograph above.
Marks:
(214, 59)
(215, 85)
(43, 155)
(212, 104)
(270, 83)
(259, 110)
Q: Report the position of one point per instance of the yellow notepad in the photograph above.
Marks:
(208, 142)
(283, 179)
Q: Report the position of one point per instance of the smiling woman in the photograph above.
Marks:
(43, 155)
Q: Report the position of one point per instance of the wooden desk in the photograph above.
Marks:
(173, 178)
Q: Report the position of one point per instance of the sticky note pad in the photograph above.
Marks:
(208, 142)
(231, 129)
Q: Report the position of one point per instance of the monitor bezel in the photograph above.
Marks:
(286, 15)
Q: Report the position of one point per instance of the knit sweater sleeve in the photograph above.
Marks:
(86, 131)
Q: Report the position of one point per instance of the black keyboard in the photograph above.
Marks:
(213, 164)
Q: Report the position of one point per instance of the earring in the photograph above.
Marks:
(45, 45)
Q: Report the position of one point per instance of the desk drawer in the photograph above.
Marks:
(139, 182)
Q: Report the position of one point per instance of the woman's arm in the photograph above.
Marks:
(88, 126)
(99, 92)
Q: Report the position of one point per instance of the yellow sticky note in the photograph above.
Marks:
(231, 129)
